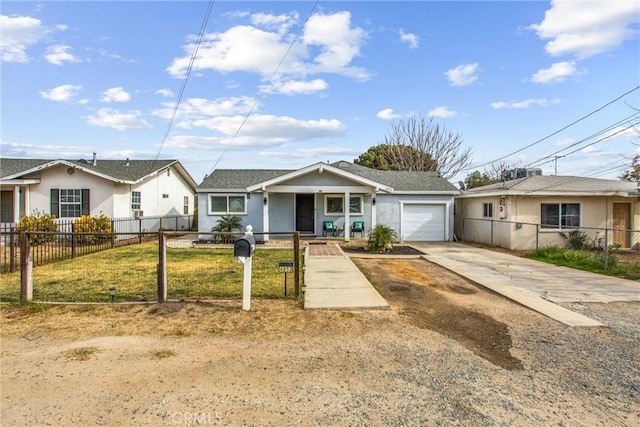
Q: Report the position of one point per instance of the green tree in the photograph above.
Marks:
(477, 179)
(632, 174)
(417, 144)
(227, 224)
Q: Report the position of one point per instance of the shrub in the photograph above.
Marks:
(36, 223)
(381, 238)
(227, 224)
(576, 239)
(92, 224)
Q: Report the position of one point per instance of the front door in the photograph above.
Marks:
(622, 224)
(305, 213)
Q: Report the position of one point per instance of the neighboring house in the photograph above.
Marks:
(506, 211)
(115, 188)
(418, 205)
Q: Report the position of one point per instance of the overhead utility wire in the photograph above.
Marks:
(263, 90)
(194, 54)
(593, 135)
(554, 133)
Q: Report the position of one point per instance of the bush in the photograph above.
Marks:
(227, 224)
(93, 224)
(38, 222)
(381, 238)
(576, 239)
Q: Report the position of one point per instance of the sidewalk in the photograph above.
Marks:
(333, 282)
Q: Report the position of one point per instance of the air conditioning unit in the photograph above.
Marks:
(137, 213)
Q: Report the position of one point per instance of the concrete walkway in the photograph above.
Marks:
(534, 284)
(333, 282)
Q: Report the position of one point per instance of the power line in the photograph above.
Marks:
(556, 132)
(263, 90)
(203, 27)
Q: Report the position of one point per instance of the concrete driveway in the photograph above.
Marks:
(550, 282)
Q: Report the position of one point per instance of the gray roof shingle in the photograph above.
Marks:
(240, 179)
(557, 184)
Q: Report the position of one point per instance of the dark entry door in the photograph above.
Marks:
(305, 213)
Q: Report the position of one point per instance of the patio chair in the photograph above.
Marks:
(357, 227)
(329, 227)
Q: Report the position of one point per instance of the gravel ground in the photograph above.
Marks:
(212, 364)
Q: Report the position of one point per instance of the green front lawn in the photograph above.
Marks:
(192, 273)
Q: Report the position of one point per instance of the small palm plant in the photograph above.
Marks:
(381, 238)
(227, 224)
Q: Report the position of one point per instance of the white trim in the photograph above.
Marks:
(343, 196)
(319, 189)
(29, 181)
(447, 211)
(320, 168)
(227, 195)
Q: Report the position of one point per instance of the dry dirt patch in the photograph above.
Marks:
(429, 297)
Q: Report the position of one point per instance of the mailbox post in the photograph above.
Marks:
(244, 248)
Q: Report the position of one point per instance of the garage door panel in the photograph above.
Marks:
(423, 222)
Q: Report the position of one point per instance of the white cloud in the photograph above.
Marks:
(556, 73)
(463, 75)
(310, 153)
(115, 94)
(256, 50)
(280, 23)
(58, 54)
(442, 113)
(409, 38)
(17, 33)
(588, 28)
(198, 108)
(541, 102)
(107, 117)
(269, 127)
(61, 93)
(387, 114)
(167, 93)
(293, 87)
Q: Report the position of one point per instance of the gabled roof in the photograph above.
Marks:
(122, 171)
(247, 180)
(556, 185)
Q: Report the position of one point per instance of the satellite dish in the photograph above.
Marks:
(462, 186)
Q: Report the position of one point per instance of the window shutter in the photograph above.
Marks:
(85, 202)
(55, 202)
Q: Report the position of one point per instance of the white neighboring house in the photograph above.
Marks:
(115, 188)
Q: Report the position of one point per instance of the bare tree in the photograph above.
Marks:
(433, 147)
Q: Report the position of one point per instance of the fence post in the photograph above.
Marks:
(606, 249)
(162, 268)
(113, 236)
(26, 268)
(296, 263)
(140, 230)
(537, 237)
(73, 241)
(492, 221)
(12, 250)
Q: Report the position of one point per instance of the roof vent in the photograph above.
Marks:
(127, 163)
(95, 160)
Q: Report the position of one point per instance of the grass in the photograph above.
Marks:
(192, 273)
(162, 354)
(81, 354)
(587, 261)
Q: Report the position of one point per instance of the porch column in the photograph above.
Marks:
(373, 210)
(26, 197)
(347, 220)
(16, 204)
(265, 215)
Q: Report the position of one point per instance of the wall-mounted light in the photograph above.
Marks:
(373, 201)
(265, 201)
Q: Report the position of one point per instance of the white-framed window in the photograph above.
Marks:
(69, 202)
(224, 204)
(487, 210)
(136, 200)
(334, 205)
(185, 205)
(560, 215)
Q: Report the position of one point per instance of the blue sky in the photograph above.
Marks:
(282, 85)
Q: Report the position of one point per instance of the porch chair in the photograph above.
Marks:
(357, 227)
(329, 227)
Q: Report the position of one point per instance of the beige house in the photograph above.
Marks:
(541, 210)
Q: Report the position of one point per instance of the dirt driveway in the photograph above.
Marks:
(447, 353)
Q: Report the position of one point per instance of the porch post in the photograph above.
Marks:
(347, 220)
(16, 204)
(373, 210)
(265, 215)
(26, 196)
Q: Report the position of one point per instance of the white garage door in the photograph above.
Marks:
(423, 222)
